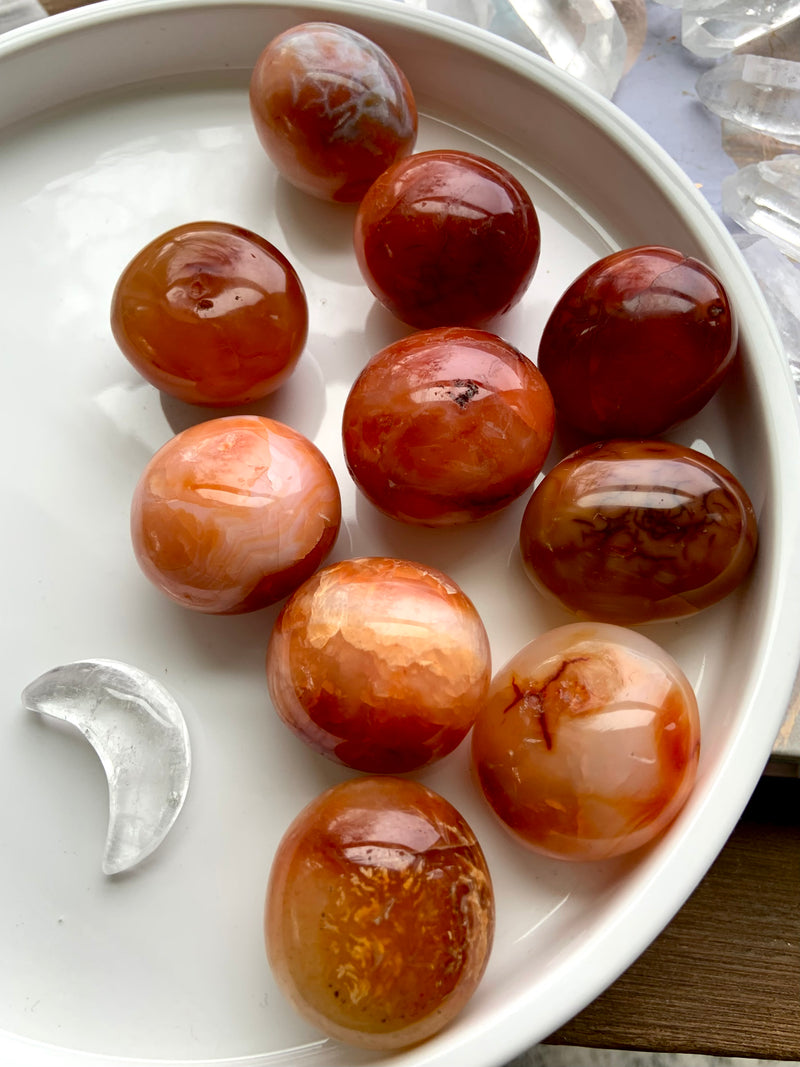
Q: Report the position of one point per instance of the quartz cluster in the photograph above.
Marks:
(761, 94)
(757, 91)
(757, 97)
(779, 279)
(713, 28)
(586, 38)
(764, 199)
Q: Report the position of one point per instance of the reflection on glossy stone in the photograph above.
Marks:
(379, 664)
(589, 741)
(711, 28)
(764, 198)
(139, 733)
(633, 531)
(755, 91)
(380, 912)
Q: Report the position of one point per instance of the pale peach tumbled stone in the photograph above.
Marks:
(234, 513)
(589, 742)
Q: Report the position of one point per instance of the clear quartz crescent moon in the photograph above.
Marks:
(139, 733)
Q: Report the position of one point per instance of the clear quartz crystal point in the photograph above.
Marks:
(584, 37)
(712, 28)
(764, 198)
(779, 279)
(755, 91)
(139, 733)
(633, 16)
(744, 145)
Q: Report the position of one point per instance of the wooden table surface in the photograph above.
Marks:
(724, 977)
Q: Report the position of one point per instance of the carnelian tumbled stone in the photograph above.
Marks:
(233, 514)
(380, 664)
(447, 238)
(211, 314)
(640, 341)
(380, 913)
(633, 531)
(331, 109)
(446, 426)
(588, 744)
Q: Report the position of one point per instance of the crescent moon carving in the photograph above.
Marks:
(139, 733)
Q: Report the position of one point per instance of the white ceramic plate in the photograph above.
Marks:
(117, 122)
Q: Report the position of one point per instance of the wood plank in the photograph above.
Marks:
(724, 977)
(54, 7)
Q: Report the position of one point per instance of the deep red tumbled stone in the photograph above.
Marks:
(640, 341)
(446, 426)
(447, 238)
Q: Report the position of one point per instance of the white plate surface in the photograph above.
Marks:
(116, 123)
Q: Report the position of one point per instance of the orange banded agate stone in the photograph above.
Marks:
(379, 664)
(379, 916)
(233, 514)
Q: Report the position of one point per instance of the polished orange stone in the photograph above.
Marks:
(233, 514)
(632, 531)
(331, 109)
(447, 426)
(379, 664)
(211, 313)
(380, 912)
(588, 744)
